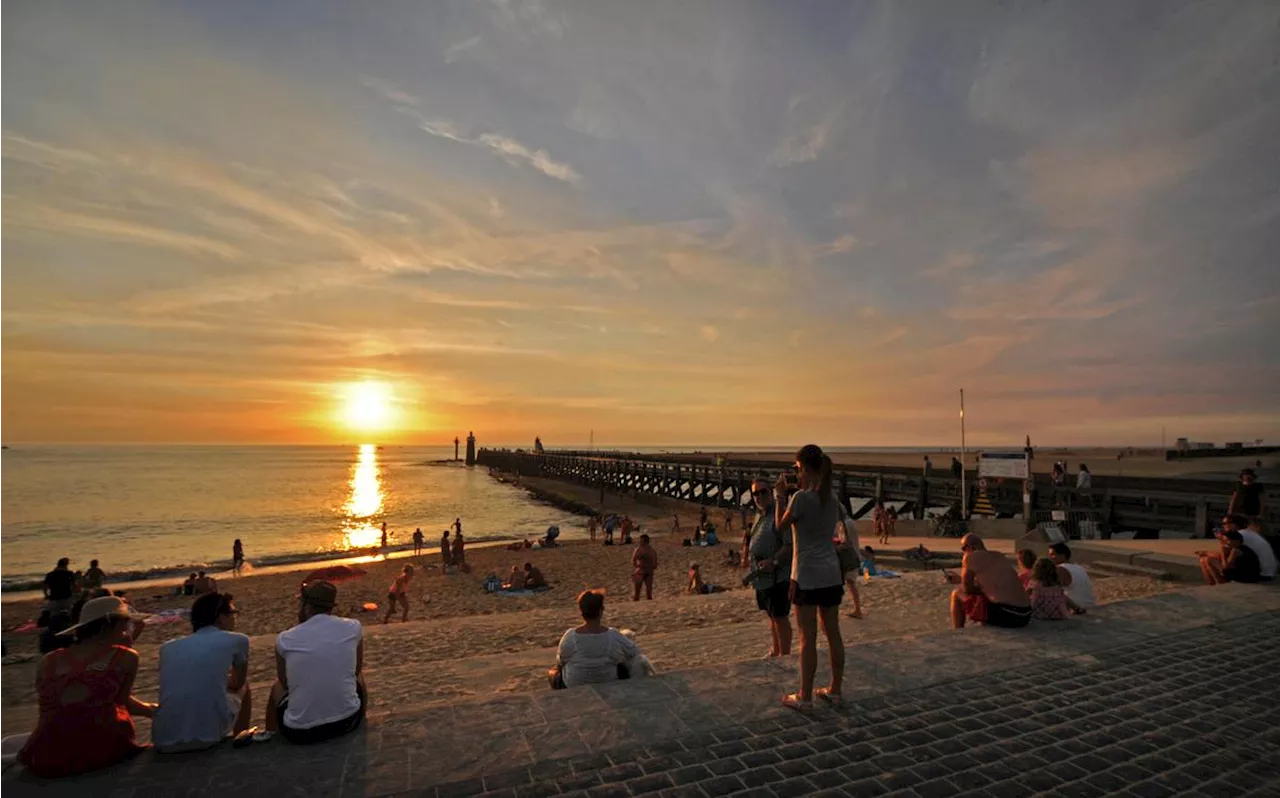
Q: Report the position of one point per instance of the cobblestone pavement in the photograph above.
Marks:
(1191, 714)
(1169, 695)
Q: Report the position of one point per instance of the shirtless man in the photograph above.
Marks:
(533, 578)
(728, 523)
(446, 553)
(459, 553)
(645, 561)
(990, 591)
(675, 524)
(398, 593)
(591, 527)
(515, 579)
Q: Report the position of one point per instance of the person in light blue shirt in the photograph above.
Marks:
(204, 686)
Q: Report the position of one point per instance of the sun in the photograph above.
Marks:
(367, 406)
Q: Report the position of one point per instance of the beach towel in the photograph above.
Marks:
(160, 617)
(523, 591)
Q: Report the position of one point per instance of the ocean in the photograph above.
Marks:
(148, 512)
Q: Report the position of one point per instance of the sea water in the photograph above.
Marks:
(154, 511)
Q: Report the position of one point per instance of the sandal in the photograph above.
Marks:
(794, 701)
(834, 699)
(857, 616)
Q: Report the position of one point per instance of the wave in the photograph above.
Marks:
(27, 582)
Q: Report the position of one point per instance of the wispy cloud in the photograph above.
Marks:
(455, 51)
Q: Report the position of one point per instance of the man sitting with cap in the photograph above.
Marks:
(319, 692)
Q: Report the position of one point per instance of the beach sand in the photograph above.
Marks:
(462, 641)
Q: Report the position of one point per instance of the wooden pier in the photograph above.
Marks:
(1144, 505)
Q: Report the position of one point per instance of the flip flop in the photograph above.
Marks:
(857, 616)
(834, 699)
(794, 701)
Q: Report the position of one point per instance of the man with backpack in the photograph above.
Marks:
(770, 557)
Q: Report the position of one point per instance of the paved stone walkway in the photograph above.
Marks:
(1196, 714)
(1171, 695)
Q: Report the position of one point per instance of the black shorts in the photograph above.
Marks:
(775, 600)
(326, 731)
(1007, 616)
(820, 596)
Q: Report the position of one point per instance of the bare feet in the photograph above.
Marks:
(794, 701)
(826, 695)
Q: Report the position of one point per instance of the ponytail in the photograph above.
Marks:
(814, 459)
(824, 487)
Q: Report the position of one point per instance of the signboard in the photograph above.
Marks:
(1012, 466)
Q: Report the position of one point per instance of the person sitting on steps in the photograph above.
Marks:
(989, 590)
(319, 693)
(592, 653)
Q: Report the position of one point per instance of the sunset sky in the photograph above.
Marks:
(670, 222)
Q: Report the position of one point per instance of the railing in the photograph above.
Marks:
(1114, 503)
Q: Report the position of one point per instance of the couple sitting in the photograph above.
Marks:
(204, 692)
(528, 579)
(594, 653)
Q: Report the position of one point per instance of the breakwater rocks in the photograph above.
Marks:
(544, 496)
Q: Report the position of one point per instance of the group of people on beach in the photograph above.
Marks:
(87, 704)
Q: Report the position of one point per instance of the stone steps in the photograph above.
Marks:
(1128, 700)
(1131, 717)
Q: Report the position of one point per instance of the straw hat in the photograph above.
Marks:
(105, 607)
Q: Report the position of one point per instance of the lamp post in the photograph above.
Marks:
(964, 464)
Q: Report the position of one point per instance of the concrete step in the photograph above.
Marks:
(1116, 568)
(1089, 706)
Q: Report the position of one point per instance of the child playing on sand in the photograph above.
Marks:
(1049, 600)
(697, 587)
(398, 593)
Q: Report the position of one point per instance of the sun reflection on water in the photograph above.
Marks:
(365, 501)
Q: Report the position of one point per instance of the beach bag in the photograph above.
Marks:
(849, 559)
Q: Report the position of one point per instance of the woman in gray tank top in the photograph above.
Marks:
(817, 584)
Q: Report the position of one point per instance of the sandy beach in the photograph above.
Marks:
(463, 641)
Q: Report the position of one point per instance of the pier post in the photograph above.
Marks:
(1202, 519)
(922, 499)
(879, 488)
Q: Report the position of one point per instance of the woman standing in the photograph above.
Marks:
(816, 582)
(86, 696)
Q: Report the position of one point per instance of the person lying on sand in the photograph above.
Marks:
(696, 586)
(990, 591)
(533, 578)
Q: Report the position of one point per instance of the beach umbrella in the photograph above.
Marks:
(334, 573)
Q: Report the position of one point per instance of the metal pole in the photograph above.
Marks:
(964, 463)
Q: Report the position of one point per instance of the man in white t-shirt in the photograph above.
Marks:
(1256, 543)
(1079, 586)
(319, 692)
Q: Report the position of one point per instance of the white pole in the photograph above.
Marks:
(964, 463)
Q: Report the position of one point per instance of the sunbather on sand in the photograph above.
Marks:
(515, 579)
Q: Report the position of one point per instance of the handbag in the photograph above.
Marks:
(849, 559)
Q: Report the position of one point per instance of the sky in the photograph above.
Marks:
(656, 222)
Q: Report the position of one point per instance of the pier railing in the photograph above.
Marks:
(1114, 503)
